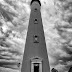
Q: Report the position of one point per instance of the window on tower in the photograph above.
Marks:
(35, 21)
(35, 9)
(36, 39)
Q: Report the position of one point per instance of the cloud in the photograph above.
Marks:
(60, 67)
(69, 63)
(52, 60)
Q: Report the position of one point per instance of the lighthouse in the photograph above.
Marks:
(35, 58)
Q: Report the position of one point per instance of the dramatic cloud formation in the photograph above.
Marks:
(57, 23)
(14, 18)
(58, 32)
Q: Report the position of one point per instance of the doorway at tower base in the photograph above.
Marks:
(36, 64)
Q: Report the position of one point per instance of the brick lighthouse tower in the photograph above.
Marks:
(35, 57)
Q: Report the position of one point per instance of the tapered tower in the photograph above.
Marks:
(35, 57)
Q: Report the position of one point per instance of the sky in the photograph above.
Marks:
(56, 18)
